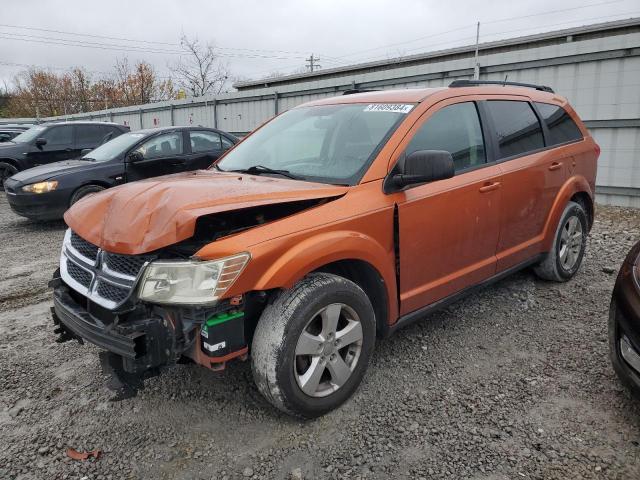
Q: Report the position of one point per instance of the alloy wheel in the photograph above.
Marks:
(570, 242)
(328, 350)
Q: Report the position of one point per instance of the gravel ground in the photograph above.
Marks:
(512, 383)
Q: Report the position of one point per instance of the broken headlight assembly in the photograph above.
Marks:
(41, 187)
(191, 282)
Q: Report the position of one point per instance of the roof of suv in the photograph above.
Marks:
(417, 95)
(81, 122)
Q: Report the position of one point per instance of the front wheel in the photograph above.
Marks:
(6, 170)
(312, 345)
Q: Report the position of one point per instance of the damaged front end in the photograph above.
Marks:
(97, 298)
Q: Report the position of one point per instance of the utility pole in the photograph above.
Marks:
(313, 64)
(476, 67)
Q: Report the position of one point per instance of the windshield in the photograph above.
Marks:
(29, 135)
(114, 148)
(327, 143)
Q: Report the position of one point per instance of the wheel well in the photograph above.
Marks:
(11, 161)
(92, 184)
(366, 277)
(584, 200)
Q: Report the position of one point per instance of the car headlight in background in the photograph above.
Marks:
(41, 187)
(191, 281)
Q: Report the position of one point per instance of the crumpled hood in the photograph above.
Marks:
(45, 172)
(144, 216)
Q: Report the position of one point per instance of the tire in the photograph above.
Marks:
(567, 252)
(6, 170)
(84, 191)
(627, 377)
(282, 369)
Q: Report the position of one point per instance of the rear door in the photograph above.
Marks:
(162, 154)
(532, 177)
(448, 230)
(90, 136)
(205, 147)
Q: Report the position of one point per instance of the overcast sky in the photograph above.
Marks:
(257, 37)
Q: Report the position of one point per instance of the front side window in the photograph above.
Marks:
(30, 135)
(517, 127)
(58, 136)
(455, 129)
(325, 143)
(562, 128)
(165, 145)
(205, 141)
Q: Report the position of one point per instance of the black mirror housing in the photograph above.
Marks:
(419, 167)
(40, 142)
(135, 157)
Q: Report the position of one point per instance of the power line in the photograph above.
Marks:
(312, 63)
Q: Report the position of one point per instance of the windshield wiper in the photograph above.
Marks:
(258, 169)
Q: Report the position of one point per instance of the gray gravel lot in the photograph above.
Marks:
(514, 382)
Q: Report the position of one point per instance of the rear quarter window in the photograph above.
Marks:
(562, 128)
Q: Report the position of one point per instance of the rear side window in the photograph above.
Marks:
(455, 129)
(517, 127)
(58, 136)
(562, 128)
(89, 136)
(204, 141)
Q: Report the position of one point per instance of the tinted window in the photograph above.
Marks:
(58, 136)
(517, 127)
(162, 146)
(90, 135)
(561, 127)
(455, 129)
(205, 141)
(226, 143)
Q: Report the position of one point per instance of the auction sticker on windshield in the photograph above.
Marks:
(388, 107)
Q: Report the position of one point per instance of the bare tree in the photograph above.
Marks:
(201, 72)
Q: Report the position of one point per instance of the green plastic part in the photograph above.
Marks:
(223, 317)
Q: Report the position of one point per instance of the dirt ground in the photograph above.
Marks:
(514, 382)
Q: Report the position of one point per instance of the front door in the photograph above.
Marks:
(448, 230)
(160, 155)
(59, 146)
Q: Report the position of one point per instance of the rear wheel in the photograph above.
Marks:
(567, 252)
(84, 192)
(312, 345)
(6, 170)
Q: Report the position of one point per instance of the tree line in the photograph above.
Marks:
(38, 92)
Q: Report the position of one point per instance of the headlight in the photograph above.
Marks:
(41, 187)
(190, 282)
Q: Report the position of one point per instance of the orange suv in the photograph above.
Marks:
(333, 224)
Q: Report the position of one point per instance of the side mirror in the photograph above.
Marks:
(422, 166)
(41, 142)
(84, 151)
(135, 157)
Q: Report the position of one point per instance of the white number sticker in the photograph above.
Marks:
(388, 107)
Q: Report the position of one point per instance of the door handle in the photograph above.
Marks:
(555, 166)
(68, 149)
(490, 187)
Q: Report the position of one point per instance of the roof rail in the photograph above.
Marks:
(475, 83)
(351, 91)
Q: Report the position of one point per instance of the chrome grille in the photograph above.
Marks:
(83, 247)
(79, 274)
(108, 279)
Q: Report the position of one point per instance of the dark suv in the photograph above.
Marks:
(52, 142)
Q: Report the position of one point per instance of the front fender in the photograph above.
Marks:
(282, 269)
(573, 185)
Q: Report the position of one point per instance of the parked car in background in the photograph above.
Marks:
(11, 130)
(338, 221)
(52, 142)
(47, 191)
(624, 322)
